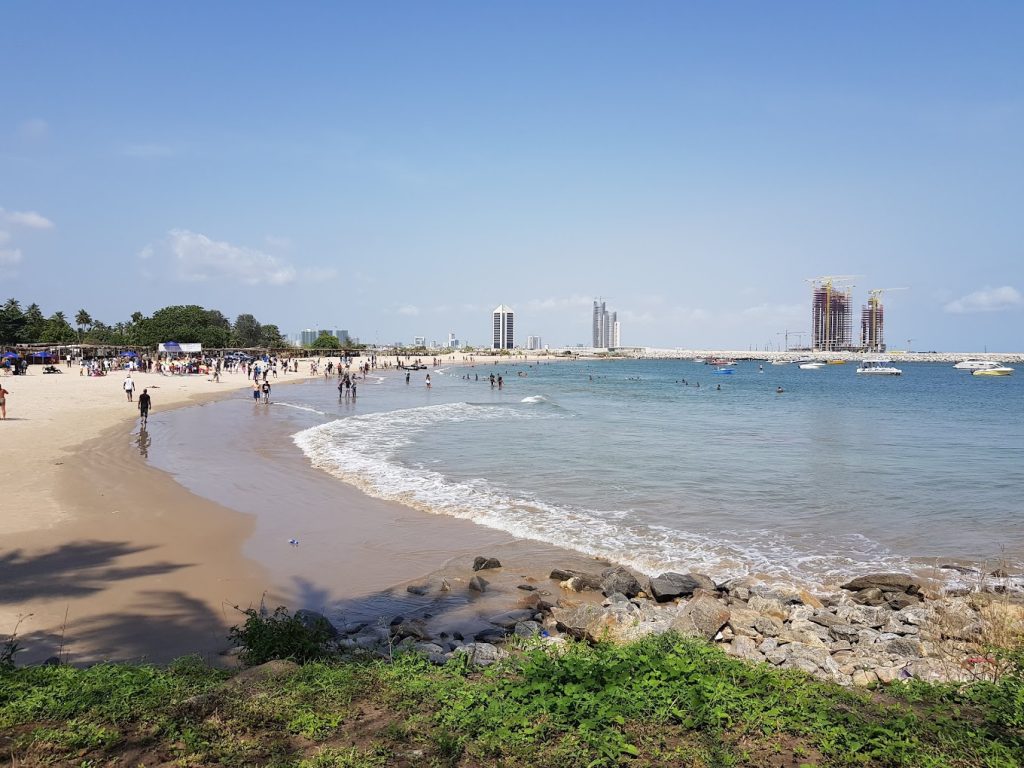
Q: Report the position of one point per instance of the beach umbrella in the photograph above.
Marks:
(42, 353)
(12, 355)
(128, 353)
(172, 346)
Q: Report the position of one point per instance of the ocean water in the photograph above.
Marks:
(840, 474)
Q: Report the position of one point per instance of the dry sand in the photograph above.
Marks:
(105, 557)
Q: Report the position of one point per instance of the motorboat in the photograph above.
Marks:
(724, 371)
(879, 366)
(780, 362)
(720, 361)
(837, 362)
(976, 365)
(812, 366)
(1000, 370)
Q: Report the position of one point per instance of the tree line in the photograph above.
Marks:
(187, 324)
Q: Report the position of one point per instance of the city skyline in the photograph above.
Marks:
(383, 169)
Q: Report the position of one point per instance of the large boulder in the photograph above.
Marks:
(481, 654)
(485, 563)
(316, 622)
(509, 619)
(670, 585)
(577, 581)
(886, 582)
(619, 580)
(618, 623)
(703, 616)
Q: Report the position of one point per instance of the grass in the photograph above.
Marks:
(665, 701)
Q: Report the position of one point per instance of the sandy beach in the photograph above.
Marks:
(103, 556)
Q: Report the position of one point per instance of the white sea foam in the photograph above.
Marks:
(299, 407)
(535, 399)
(363, 450)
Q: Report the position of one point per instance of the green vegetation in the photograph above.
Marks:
(326, 340)
(280, 636)
(188, 324)
(665, 701)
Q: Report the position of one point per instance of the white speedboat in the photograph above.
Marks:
(811, 366)
(780, 362)
(976, 365)
(879, 367)
(999, 370)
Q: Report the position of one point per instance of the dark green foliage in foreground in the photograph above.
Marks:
(279, 636)
(661, 702)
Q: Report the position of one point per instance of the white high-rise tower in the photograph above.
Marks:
(504, 327)
(606, 327)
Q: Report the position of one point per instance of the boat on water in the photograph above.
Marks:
(1001, 370)
(720, 361)
(976, 365)
(879, 366)
(698, 360)
(811, 366)
(837, 362)
(780, 362)
(724, 371)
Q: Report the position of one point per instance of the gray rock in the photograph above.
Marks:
(480, 654)
(620, 580)
(769, 626)
(438, 659)
(478, 584)
(744, 648)
(484, 563)
(418, 589)
(580, 581)
(527, 587)
(669, 586)
(492, 635)
(903, 646)
(411, 630)
(526, 629)
(702, 616)
(768, 645)
(428, 648)
(313, 621)
(768, 606)
(509, 619)
(886, 582)
(869, 596)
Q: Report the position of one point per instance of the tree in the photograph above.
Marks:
(35, 322)
(246, 332)
(12, 322)
(326, 340)
(271, 337)
(58, 330)
(82, 320)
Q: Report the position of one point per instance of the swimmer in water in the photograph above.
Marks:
(779, 390)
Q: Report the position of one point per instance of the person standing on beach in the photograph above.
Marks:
(3, 402)
(428, 381)
(145, 401)
(406, 378)
(266, 392)
(255, 392)
(129, 387)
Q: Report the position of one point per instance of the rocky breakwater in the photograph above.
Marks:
(877, 628)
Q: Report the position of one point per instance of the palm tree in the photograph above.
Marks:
(82, 319)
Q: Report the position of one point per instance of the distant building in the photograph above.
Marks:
(307, 337)
(419, 341)
(872, 324)
(343, 337)
(533, 342)
(504, 327)
(453, 343)
(605, 326)
(831, 317)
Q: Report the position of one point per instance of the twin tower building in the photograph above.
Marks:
(606, 327)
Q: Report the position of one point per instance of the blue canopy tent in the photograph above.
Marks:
(41, 353)
(128, 353)
(11, 355)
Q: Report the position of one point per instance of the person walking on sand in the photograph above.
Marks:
(3, 402)
(129, 386)
(145, 401)
(266, 393)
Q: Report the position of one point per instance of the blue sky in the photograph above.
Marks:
(398, 169)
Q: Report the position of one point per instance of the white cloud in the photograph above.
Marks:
(558, 303)
(198, 258)
(280, 243)
(29, 219)
(10, 258)
(409, 310)
(987, 300)
(36, 128)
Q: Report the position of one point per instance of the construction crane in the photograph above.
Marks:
(872, 321)
(831, 323)
(788, 333)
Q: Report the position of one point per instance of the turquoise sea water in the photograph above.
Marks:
(840, 473)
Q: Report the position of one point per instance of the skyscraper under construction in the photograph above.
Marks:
(872, 322)
(831, 315)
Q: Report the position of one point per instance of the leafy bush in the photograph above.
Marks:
(279, 636)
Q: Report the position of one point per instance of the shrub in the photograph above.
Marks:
(279, 636)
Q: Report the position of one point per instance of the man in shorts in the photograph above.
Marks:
(266, 393)
(3, 402)
(129, 386)
(145, 401)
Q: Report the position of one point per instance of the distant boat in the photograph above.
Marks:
(812, 366)
(837, 362)
(781, 362)
(698, 359)
(1002, 370)
(725, 371)
(879, 366)
(720, 361)
(976, 365)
